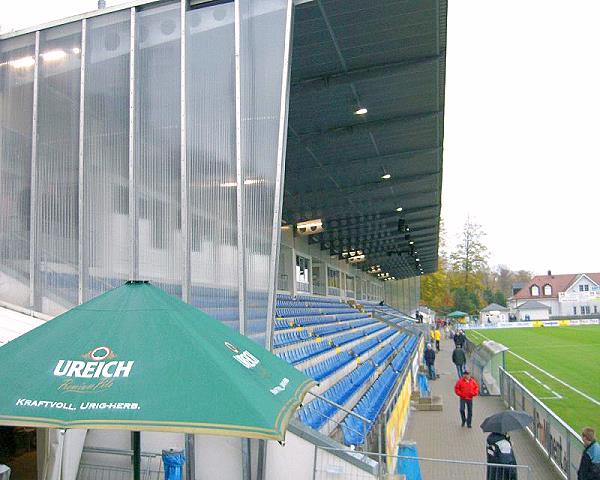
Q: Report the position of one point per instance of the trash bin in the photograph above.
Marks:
(407, 466)
(4, 472)
(173, 462)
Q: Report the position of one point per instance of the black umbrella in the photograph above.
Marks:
(506, 421)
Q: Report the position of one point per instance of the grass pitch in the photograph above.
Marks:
(571, 354)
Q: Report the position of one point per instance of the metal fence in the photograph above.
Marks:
(559, 442)
(329, 465)
(93, 465)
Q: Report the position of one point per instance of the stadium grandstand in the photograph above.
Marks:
(276, 163)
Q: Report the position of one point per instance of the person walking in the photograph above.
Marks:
(459, 359)
(500, 451)
(430, 361)
(589, 467)
(466, 389)
(432, 335)
(438, 336)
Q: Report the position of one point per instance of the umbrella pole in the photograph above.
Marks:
(137, 454)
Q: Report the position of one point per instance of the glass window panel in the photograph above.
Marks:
(57, 167)
(158, 145)
(106, 152)
(16, 110)
(210, 87)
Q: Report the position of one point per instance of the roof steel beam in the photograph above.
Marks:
(359, 162)
(369, 124)
(322, 82)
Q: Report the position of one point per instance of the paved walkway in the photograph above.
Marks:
(439, 434)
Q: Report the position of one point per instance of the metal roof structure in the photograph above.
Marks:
(373, 179)
(356, 171)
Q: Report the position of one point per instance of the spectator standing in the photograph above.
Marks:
(459, 359)
(500, 450)
(437, 334)
(589, 468)
(466, 388)
(432, 335)
(430, 361)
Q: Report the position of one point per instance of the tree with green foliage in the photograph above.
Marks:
(470, 256)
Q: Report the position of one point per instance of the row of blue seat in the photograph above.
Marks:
(372, 402)
(288, 338)
(302, 312)
(306, 321)
(316, 413)
(308, 304)
(333, 364)
(329, 329)
(307, 298)
(325, 368)
(305, 352)
(298, 355)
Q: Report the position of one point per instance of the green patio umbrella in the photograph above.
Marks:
(457, 314)
(136, 359)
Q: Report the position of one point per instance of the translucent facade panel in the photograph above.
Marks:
(350, 288)
(333, 282)
(262, 40)
(158, 146)
(16, 111)
(210, 107)
(106, 153)
(319, 277)
(57, 168)
(285, 273)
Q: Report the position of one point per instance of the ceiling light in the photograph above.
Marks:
(399, 209)
(310, 227)
(360, 111)
(22, 62)
(76, 50)
(252, 181)
(53, 55)
(411, 242)
(387, 176)
(417, 259)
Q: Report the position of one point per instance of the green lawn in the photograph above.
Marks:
(572, 354)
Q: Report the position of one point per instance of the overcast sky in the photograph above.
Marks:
(522, 103)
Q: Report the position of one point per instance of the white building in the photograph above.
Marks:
(493, 313)
(565, 295)
(533, 310)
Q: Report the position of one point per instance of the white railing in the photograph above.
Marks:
(559, 442)
(329, 464)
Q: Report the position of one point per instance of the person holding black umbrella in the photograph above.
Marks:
(499, 447)
(500, 451)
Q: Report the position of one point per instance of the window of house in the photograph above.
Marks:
(574, 310)
(547, 289)
(587, 309)
(535, 291)
(586, 288)
(595, 308)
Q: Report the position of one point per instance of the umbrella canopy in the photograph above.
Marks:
(506, 421)
(136, 358)
(457, 314)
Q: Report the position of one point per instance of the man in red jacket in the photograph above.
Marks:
(466, 388)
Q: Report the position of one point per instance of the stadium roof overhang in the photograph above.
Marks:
(388, 57)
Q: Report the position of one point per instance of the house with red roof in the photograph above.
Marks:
(572, 294)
